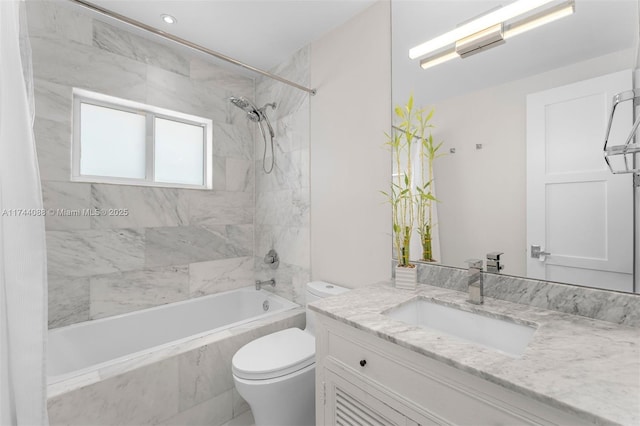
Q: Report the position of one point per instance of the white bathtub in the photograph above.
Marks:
(84, 353)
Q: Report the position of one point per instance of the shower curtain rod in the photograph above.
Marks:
(187, 43)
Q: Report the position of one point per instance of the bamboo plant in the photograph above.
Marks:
(412, 201)
(424, 192)
(401, 195)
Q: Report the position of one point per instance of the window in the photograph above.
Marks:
(125, 142)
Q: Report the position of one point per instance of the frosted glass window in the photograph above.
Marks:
(118, 141)
(179, 149)
(112, 143)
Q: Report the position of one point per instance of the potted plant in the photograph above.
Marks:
(424, 190)
(401, 194)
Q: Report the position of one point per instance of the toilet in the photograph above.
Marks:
(275, 373)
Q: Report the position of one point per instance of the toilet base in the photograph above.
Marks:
(283, 401)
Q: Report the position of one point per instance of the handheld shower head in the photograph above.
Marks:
(258, 115)
(244, 104)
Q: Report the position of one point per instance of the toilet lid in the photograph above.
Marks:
(275, 355)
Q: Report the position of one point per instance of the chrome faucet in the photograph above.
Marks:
(475, 283)
(259, 283)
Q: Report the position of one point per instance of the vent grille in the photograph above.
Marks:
(352, 412)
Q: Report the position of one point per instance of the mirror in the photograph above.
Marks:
(492, 107)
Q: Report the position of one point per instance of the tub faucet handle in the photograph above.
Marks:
(272, 259)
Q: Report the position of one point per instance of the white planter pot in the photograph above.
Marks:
(406, 278)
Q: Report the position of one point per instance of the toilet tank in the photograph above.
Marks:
(317, 290)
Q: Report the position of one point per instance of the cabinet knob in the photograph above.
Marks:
(363, 362)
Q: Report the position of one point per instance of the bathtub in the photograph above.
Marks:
(95, 366)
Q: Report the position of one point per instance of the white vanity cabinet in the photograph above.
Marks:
(364, 380)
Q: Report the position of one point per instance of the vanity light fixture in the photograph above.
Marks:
(168, 19)
(488, 31)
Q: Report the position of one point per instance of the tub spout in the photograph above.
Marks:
(259, 283)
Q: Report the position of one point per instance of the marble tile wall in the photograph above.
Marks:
(193, 388)
(174, 244)
(282, 197)
(605, 305)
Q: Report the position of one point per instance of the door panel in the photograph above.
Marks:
(577, 210)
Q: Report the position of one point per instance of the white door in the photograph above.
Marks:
(577, 210)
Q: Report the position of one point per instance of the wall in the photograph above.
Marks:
(282, 197)
(496, 118)
(175, 244)
(350, 223)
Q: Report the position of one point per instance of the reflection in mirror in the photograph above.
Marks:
(525, 123)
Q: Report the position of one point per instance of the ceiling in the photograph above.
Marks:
(596, 28)
(264, 33)
(261, 33)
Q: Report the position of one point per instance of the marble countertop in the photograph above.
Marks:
(588, 367)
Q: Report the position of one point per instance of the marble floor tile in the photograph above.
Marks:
(240, 406)
(287, 172)
(68, 301)
(274, 207)
(190, 244)
(220, 275)
(115, 40)
(292, 131)
(142, 396)
(52, 101)
(234, 140)
(239, 175)
(88, 67)
(64, 202)
(243, 419)
(56, 19)
(221, 79)
(219, 171)
(219, 208)
(53, 147)
(212, 412)
(114, 294)
(289, 98)
(203, 374)
(291, 243)
(147, 207)
(92, 252)
(176, 92)
(290, 279)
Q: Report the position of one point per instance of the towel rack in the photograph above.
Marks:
(628, 148)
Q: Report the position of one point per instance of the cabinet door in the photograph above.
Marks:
(349, 404)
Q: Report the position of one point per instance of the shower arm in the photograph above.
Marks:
(186, 43)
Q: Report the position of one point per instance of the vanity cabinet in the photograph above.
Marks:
(364, 380)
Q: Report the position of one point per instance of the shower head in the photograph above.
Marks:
(244, 104)
(258, 115)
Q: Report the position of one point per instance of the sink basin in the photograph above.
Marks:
(499, 334)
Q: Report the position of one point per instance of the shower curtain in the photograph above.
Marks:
(23, 284)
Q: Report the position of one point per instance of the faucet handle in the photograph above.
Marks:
(494, 255)
(272, 259)
(494, 263)
(474, 263)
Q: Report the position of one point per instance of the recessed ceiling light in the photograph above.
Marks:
(168, 19)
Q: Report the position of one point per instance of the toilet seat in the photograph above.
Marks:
(275, 355)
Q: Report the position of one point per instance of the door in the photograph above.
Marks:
(577, 210)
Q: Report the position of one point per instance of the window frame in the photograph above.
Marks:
(81, 96)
